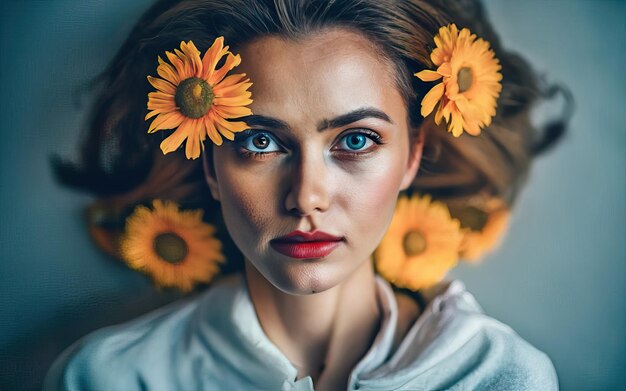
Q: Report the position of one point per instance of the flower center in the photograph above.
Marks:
(473, 218)
(464, 78)
(170, 247)
(414, 243)
(194, 97)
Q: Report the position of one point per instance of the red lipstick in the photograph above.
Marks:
(302, 245)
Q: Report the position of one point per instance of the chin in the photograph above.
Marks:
(306, 277)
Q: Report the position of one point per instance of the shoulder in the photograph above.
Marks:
(454, 345)
(491, 354)
(125, 350)
(146, 353)
(505, 361)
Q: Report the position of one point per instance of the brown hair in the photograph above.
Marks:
(119, 162)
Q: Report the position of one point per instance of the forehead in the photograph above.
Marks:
(328, 73)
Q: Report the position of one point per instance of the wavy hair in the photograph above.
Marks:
(123, 167)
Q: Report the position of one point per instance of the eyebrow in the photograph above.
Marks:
(353, 116)
(326, 124)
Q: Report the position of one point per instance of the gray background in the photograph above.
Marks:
(558, 280)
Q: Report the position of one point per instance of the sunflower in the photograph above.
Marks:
(484, 231)
(198, 98)
(421, 244)
(174, 247)
(470, 86)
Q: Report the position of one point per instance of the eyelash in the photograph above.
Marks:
(253, 155)
(240, 138)
(375, 137)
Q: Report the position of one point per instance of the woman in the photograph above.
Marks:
(306, 176)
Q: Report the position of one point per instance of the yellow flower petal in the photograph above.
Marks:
(477, 243)
(167, 72)
(445, 69)
(443, 110)
(471, 127)
(224, 97)
(188, 70)
(232, 112)
(152, 114)
(431, 99)
(174, 141)
(474, 105)
(162, 85)
(193, 56)
(227, 128)
(231, 62)
(442, 235)
(231, 91)
(456, 125)
(212, 57)
(199, 263)
(192, 148)
(166, 121)
(160, 96)
(162, 106)
(437, 56)
(212, 132)
(232, 80)
(241, 100)
(427, 75)
(178, 64)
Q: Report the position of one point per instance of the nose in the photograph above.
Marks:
(308, 187)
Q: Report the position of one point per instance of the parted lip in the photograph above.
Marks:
(302, 236)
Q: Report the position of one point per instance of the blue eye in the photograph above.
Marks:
(260, 142)
(356, 141)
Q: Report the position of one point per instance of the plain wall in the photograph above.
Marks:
(558, 279)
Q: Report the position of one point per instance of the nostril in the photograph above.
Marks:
(302, 211)
(295, 212)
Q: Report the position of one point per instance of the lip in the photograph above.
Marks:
(302, 245)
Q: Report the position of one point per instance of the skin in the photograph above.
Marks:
(307, 179)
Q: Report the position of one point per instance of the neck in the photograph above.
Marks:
(324, 334)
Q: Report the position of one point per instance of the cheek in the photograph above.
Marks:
(373, 196)
(248, 204)
(378, 202)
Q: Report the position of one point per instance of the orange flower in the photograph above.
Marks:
(470, 86)
(421, 244)
(484, 237)
(198, 98)
(175, 248)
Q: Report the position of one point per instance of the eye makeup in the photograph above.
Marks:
(261, 144)
(357, 138)
(258, 144)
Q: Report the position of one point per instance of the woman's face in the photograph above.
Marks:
(327, 151)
